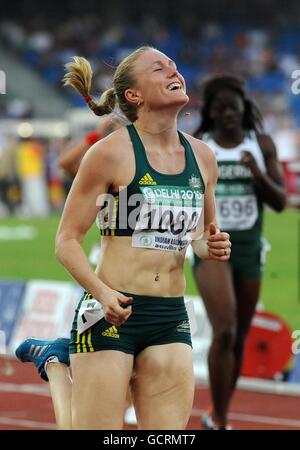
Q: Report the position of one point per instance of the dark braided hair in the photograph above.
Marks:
(252, 119)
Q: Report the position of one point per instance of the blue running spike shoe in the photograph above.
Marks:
(38, 351)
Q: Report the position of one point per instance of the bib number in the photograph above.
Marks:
(237, 212)
(167, 215)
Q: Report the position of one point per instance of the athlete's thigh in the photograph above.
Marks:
(100, 381)
(163, 386)
(215, 283)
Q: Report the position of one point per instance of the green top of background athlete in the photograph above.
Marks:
(249, 175)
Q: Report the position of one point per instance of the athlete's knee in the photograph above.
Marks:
(76, 422)
(79, 417)
(225, 338)
(239, 344)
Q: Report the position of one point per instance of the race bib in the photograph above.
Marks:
(166, 217)
(90, 312)
(236, 206)
(160, 241)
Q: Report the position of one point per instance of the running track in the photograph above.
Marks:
(25, 404)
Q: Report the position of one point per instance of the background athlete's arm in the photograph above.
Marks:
(270, 184)
(72, 156)
(213, 242)
(93, 180)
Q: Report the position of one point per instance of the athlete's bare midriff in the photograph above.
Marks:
(140, 271)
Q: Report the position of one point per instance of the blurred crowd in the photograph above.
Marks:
(265, 54)
(259, 40)
(31, 182)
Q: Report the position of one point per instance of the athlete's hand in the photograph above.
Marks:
(213, 245)
(116, 307)
(219, 245)
(249, 161)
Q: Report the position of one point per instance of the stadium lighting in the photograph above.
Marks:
(61, 130)
(25, 130)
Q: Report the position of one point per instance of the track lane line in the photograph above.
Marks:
(27, 423)
(253, 418)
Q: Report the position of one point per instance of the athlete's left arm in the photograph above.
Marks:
(214, 244)
(270, 184)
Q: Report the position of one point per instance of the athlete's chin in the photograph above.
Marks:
(180, 102)
(184, 98)
(175, 104)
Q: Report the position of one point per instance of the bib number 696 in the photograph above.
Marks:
(236, 208)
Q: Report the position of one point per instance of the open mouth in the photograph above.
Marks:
(174, 86)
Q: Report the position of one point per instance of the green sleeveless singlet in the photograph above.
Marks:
(158, 210)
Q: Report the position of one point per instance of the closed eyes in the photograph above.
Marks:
(161, 65)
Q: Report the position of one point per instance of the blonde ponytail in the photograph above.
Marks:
(79, 76)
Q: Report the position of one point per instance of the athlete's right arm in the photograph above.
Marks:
(214, 244)
(84, 200)
(71, 158)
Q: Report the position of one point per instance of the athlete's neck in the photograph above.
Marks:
(228, 138)
(160, 131)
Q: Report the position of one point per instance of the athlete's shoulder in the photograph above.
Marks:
(201, 149)
(266, 144)
(110, 148)
(115, 139)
